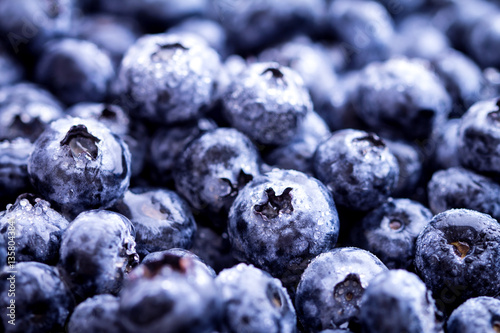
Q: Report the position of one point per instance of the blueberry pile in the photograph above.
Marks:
(250, 166)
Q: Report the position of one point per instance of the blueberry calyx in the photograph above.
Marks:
(242, 179)
(274, 296)
(496, 326)
(275, 204)
(396, 225)
(372, 139)
(155, 210)
(276, 74)
(461, 249)
(179, 264)
(80, 142)
(166, 51)
(348, 289)
(108, 113)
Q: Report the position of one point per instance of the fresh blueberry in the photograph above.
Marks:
(14, 178)
(97, 314)
(267, 102)
(364, 28)
(42, 300)
(357, 167)
(280, 221)
(391, 230)
(253, 25)
(479, 137)
(398, 301)
(446, 141)
(162, 220)
(26, 110)
(11, 70)
(169, 142)
(97, 250)
(298, 154)
(170, 295)
(462, 188)
(463, 79)
(38, 229)
(401, 97)
(157, 257)
(110, 33)
(480, 314)
(330, 290)
(410, 166)
(484, 40)
(75, 70)
(79, 164)
(254, 301)
(458, 257)
(168, 78)
(214, 167)
(110, 115)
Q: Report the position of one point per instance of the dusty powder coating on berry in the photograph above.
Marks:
(79, 164)
(168, 77)
(280, 221)
(458, 257)
(14, 178)
(330, 290)
(267, 102)
(38, 228)
(398, 301)
(254, 301)
(357, 167)
(97, 250)
(401, 97)
(480, 314)
(44, 298)
(155, 257)
(96, 314)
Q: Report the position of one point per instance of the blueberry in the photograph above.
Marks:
(75, 70)
(254, 301)
(157, 257)
(462, 188)
(398, 301)
(280, 221)
(28, 24)
(458, 257)
(79, 164)
(364, 28)
(480, 314)
(298, 154)
(26, 110)
(96, 314)
(391, 230)
(357, 167)
(110, 33)
(401, 97)
(410, 166)
(110, 115)
(463, 79)
(479, 136)
(170, 295)
(446, 141)
(169, 142)
(484, 40)
(162, 220)
(42, 300)
(14, 178)
(330, 290)
(38, 229)
(168, 78)
(214, 167)
(97, 251)
(253, 25)
(11, 70)
(267, 102)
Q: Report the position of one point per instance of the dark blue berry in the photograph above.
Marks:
(410, 166)
(110, 115)
(14, 178)
(157, 257)
(11, 70)
(445, 139)
(97, 314)
(480, 314)
(211, 31)
(357, 167)
(484, 40)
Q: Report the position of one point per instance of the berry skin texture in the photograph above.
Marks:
(480, 314)
(97, 250)
(38, 227)
(170, 295)
(254, 301)
(280, 221)
(401, 97)
(157, 257)
(168, 78)
(357, 167)
(458, 257)
(45, 300)
(330, 290)
(398, 301)
(479, 137)
(267, 102)
(79, 164)
(14, 178)
(391, 230)
(97, 314)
